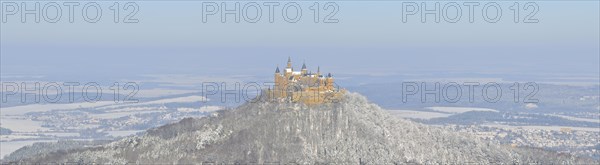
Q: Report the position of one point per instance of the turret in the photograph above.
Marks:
(288, 70)
(329, 81)
(304, 70)
(318, 71)
(277, 76)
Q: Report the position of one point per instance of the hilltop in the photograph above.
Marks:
(353, 131)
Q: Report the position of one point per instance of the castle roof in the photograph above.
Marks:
(277, 70)
(303, 65)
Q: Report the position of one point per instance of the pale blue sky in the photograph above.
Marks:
(370, 38)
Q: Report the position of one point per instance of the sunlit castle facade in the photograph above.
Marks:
(304, 86)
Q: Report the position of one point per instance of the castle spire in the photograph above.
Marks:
(304, 71)
(277, 70)
(289, 64)
(303, 65)
(318, 71)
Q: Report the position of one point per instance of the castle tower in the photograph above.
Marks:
(288, 70)
(277, 75)
(329, 79)
(277, 85)
(318, 71)
(304, 70)
(319, 78)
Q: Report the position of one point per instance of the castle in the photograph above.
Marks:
(304, 86)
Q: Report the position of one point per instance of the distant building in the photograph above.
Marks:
(566, 130)
(304, 86)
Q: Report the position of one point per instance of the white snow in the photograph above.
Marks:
(531, 106)
(577, 119)
(201, 109)
(159, 92)
(21, 124)
(116, 115)
(130, 109)
(550, 128)
(62, 134)
(457, 110)
(418, 114)
(187, 99)
(123, 133)
(21, 110)
(9, 147)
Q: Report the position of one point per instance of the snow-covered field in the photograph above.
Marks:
(18, 136)
(457, 110)
(62, 134)
(21, 124)
(577, 119)
(123, 133)
(549, 128)
(440, 112)
(201, 109)
(160, 92)
(12, 117)
(417, 114)
(22, 110)
(27, 130)
(186, 99)
(116, 115)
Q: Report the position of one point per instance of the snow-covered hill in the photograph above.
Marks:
(353, 131)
